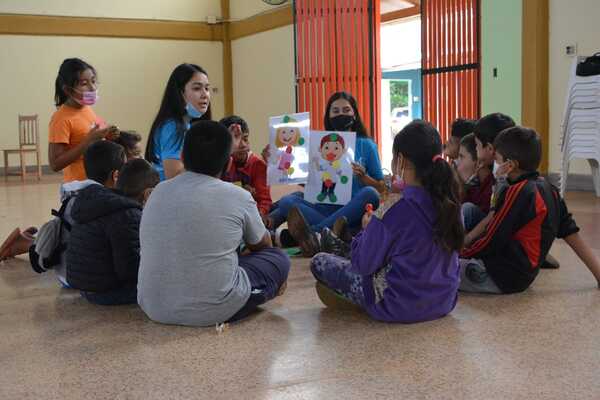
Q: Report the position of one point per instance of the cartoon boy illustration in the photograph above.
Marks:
(286, 137)
(332, 149)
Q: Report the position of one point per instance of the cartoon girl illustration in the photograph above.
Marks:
(332, 149)
(286, 137)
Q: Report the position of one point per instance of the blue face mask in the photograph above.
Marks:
(192, 111)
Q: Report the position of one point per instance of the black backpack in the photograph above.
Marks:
(590, 66)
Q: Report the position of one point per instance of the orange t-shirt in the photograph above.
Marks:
(70, 126)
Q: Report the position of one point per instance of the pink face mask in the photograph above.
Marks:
(88, 98)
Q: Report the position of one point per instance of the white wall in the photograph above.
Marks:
(263, 79)
(573, 21)
(132, 72)
(132, 75)
(180, 10)
(241, 9)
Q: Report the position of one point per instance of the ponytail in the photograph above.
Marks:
(420, 143)
(441, 183)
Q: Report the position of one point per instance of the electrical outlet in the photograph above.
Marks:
(571, 50)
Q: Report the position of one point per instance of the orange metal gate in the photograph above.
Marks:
(451, 61)
(337, 48)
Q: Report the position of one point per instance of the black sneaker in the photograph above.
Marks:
(341, 230)
(301, 232)
(331, 244)
(284, 239)
(550, 263)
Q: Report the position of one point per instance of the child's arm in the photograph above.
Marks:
(370, 248)
(262, 192)
(585, 254)
(124, 236)
(516, 209)
(255, 235)
(479, 230)
(264, 243)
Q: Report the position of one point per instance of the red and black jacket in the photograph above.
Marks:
(530, 214)
(252, 173)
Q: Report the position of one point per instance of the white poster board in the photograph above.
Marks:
(330, 176)
(289, 137)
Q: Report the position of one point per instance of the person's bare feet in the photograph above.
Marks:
(5, 248)
(17, 243)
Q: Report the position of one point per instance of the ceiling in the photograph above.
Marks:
(388, 6)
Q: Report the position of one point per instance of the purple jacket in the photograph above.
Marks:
(407, 276)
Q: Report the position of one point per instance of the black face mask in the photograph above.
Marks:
(342, 123)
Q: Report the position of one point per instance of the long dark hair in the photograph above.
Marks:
(173, 105)
(68, 75)
(358, 125)
(420, 143)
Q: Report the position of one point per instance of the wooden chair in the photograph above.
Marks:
(29, 142)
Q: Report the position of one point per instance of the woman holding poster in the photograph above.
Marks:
(305, 219)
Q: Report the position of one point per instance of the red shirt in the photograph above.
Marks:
(253, 173)
(481, 194)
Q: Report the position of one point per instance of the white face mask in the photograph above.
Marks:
(499, 170)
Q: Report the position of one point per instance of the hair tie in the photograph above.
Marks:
(437, 157)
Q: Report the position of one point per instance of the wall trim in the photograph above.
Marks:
(263, 22)
(41, 25)
(400, 14)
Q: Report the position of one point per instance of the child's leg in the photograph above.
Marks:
(276, 214)
(333, 272)
(353, 211)
(267, 270)
(585, 254)
(117, 297)
(475, 279)
(312, 212)
(472, 215)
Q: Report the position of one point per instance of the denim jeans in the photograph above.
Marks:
(267, 271)
(472, 216)
(320, 216)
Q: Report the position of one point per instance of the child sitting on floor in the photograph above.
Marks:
(404, 267)
(104, 250)
(47, 249)
(460, 128)
(246, 169)
(529, 215)
(486, 130)
(190, 270)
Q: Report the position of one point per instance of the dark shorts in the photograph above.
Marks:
(267, 270)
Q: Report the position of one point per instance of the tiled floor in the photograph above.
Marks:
(542, 344)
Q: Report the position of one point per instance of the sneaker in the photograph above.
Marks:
(550, 263)
(301, 232)
(341, 230)
(284, 239)
(331, 244)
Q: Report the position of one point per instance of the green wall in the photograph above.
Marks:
(501, 35)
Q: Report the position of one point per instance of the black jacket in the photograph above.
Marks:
(104, 247)
(530, 214)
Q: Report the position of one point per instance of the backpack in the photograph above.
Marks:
(51, 241)
(590, 66)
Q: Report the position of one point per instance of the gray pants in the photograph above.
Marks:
(474, 278)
